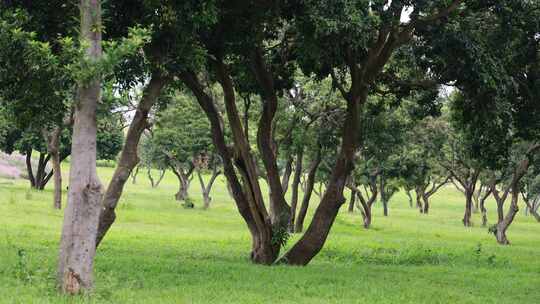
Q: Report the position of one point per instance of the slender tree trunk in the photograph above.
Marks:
(287, 174)
(384, 196)
(53, 146)
(79, 232)
(134, 175)
(532, 210)
(150, 177)
(409, 196)
(468, 207)
(310, 183)
(484, 212)
(295, 187)
(29, 170)
(352, 201)
(128, 157)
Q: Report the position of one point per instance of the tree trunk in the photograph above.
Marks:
(484, 212)
(206, 189)
(310, 183)
(134, 175)
(295, 188)
(366, 211)
(315, 236)
(532, 210)
(246, 197)
(468, 207)
(287, 174)
(425, 198)
(352, 201)
(128, 157)
(53, 145)
(503, 225)
(184, 182)
(409, 196)
(419, 191)
(79, 232)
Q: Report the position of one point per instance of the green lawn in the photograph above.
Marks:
(159, 252)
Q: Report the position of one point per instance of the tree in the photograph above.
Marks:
(77, 245)
(419, 165)
(181, 141)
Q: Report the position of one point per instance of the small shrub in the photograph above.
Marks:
(188, 203)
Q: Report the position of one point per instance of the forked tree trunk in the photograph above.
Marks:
(503, 225)
(79, 232)
(310, 183)
(246, 197)
(206, 189)
(184, 181)
(367, 205)
(128, 157)
(295, 187)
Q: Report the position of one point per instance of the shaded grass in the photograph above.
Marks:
(159, 252)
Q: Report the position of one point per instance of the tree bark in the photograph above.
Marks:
(503, 225)
(79, 232)
(206, 189)
(315, 236)
(352, 201)
(128, 157)
(134, 175)
(310, 183)
(248, 198)
(295, 188)
(409, 196)
(468, 208)
(53, 146)
(287, 174)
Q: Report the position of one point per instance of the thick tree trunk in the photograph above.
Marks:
(79, 232)
(468, 208)
(310, 183)
(503, 225)
(425, 198)
(295, 188)
(183, 182)
(315, 236)
(419, 191)
(128, 157)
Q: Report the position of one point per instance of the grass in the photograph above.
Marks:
(159, 252)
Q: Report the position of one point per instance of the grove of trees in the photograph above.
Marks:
(324, 102)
